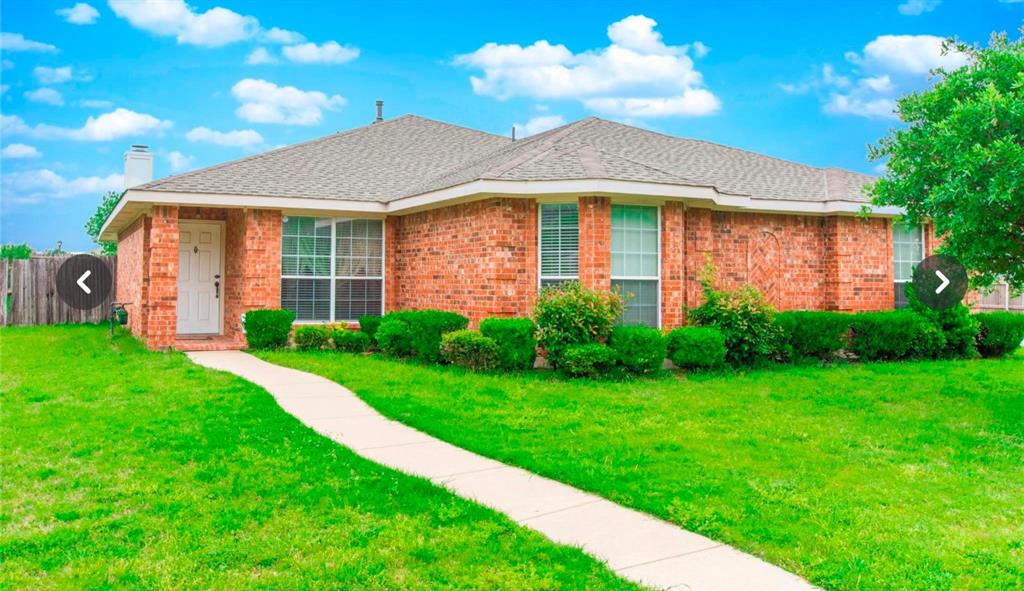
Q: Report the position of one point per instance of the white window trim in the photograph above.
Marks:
(656, 278)
(333, 276)
(541, 277)
(924, 253)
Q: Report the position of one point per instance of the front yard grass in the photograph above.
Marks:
(874, 476)
(124, 468)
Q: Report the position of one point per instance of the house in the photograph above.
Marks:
(416, 213)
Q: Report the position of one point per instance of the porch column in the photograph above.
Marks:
(595, 249)
(252, 266)
(673, 284)
(162, 323)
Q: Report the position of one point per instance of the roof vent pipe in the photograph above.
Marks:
(380, 111)
(513, 133)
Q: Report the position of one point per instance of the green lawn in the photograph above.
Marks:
(129, 469)
(878, 476)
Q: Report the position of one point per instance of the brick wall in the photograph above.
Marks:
(163, 278)
(673, 271)
(479, 258)
(252, 265)
(595, 242)
(133, 274)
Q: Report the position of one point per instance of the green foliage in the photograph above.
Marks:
(351, 341)
(1001, 333)
(696, 347)
(639, 349)
(894, 335)
(311, 338)
(745, 319)
(268, 329)
(958, 327)
(95, 223)
(469, 349)
(959, 161)
(817, 335)
(417, 333)
(517, 345)
(10, 252)
(369, 325)
(588, 360)
(569, 314)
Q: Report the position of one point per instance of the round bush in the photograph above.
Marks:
(419, 336)
(696, 347)
(267, 329)
(469, 349)
(369, 325)
(394, 337)
(569, 314)
(311, 338)
(517, 346)
(351, 341)
(1001, 333)
(640, 349)
(592, 360)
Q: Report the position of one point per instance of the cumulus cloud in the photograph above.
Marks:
(538, 124)
(216, 27)
(48, 96)
(912, 54)
(266, 102)
(260, 55)
(20, 151)
(116, 124)
(35, 186)
(282, 36)
(95, 104)
(17, 42)
(637, 75)
(79, 14)
(328, 53)
(179, 162)
(239, 138)
(917, 7)
(48, 75)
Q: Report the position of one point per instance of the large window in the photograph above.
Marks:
(907, 252)
(332, 269)
(636, 262)
(559, 243)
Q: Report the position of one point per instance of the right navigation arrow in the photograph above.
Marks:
(942, 286)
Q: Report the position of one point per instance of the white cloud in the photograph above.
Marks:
(20, 151)
(79, 14)
(260, 55)
(47, 75)
(912, 54)
(34, 186)
(876, 108)
(266, 102)
(17, 42)
(539, 124)
(216, 27)
(179, 161)
(328, 53)
(917, 7)
(239, 138)
(95, 104)
(282, 36)
(116, 124)
(637, 75)
(881, 83)
(45, 95)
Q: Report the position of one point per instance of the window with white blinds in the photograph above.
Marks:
(332, 269)
(559, 243)
(907, 252)
(636, 263)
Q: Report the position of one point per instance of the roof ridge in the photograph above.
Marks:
(655, 168)
(547, 143)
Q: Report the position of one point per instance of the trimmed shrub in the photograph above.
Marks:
(311, 338)
(590, 360)
(417, 333)
(351, 341)
(469, 349)
(514, 337)
(958, 326)
(369, 325)
(1001, 333)
(569, 314)
(818, 335)
(267, 329)
(696, 347)
(894, 335)
(745, 319)
(640, 349)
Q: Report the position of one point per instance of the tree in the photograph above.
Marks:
(10, 252)
(95, 223)
(959, 163)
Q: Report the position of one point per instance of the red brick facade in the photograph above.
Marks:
(595, 242)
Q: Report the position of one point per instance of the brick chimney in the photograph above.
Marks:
(138, 166)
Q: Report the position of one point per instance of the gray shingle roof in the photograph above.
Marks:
(411, 155)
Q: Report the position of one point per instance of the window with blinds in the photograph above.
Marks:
(332, 269)
(636, 263)
(559, 243)
(907, 252)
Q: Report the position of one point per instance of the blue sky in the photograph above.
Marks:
(207, 82)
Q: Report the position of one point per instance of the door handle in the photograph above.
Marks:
(216, 286)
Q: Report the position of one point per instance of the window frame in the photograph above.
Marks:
(334, 277)
(657, 278)
(541, 277)
(898, 299)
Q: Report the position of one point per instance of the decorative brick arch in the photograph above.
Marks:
(764, 264)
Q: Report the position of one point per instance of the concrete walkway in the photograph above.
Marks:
(635, 545)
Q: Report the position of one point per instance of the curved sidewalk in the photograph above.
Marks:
(636, 546)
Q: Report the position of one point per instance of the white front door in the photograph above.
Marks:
(200, 278)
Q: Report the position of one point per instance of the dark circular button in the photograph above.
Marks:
(940, 282)
(83, 282)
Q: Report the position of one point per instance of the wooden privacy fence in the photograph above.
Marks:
(29, 291)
